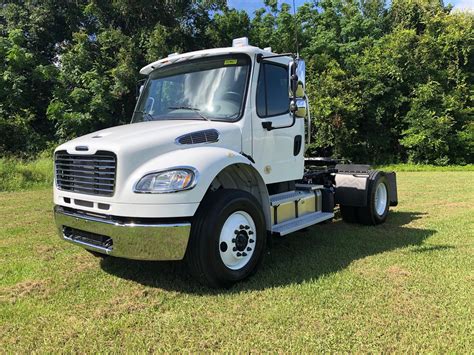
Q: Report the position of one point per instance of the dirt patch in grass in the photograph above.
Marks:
(131, 303)
(45, 252)
(397, 272)
(28, 288)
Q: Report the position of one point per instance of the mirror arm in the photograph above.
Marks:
(268, 124)
(137, 87)
(309, 122)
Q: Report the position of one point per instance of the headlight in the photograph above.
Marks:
(173, 180)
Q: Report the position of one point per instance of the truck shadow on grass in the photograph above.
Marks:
(300, 257)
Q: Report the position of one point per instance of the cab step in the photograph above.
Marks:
(296, 224)
(291, 205)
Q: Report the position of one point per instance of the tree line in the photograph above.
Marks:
(388, 81)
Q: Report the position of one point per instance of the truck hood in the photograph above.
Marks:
(140, 142)
(155, 135)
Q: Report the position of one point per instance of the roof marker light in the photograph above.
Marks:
(240, 42)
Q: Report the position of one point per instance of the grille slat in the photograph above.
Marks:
(91, 172)
(88, 174)
(94, 156)
(99, 178)
(88, 166)
(86, 183)
(86, 160)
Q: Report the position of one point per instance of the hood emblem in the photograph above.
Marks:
(199, 137)
(82, 148)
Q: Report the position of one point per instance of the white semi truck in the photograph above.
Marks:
(211, 167)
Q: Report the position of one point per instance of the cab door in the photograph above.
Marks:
(278, 143)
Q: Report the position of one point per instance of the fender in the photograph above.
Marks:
(207, 160)
(352, 185)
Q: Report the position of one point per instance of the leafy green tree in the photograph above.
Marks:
(95, 82)
(226, 26)
(369, 87)
(30, 34)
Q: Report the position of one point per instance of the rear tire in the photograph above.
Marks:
(378, 201)
(228, 238)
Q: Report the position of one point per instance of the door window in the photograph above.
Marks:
(272, 91)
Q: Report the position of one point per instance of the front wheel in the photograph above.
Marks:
(228, 238)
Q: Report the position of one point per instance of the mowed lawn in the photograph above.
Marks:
(406, 285)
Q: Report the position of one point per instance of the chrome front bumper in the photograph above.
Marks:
(165, 241)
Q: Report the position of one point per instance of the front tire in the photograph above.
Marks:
(228, 238)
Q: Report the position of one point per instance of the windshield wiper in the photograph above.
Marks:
(195, 109)
(147, 114)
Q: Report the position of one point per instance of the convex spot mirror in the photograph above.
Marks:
(299, 108)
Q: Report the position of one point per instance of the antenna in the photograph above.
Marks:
(296, 31)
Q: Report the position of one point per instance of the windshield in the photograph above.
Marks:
(206, 88)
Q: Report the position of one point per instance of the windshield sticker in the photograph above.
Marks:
(230, 62)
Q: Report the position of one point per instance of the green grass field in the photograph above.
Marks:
(405, 286)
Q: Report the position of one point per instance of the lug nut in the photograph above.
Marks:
(236, 231)
(234, 249)
(244, 254)
(239, 254)
(249, 249)
(241, 226)
(251, 240)
(250, 232)
(233, 240)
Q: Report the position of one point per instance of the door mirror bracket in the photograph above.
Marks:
(267, 125)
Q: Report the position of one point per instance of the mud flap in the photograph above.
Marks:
(392, 194)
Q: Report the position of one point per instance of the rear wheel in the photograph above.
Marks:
(228, 237)
(376, 210)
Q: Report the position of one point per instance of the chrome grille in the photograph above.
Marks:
(206, 136)
(87, 174)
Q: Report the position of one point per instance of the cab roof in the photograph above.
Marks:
(176, 58)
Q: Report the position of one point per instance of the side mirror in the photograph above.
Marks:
(297, 73)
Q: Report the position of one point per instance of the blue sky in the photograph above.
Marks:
(251, 5)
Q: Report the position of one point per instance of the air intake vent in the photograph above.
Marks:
(207, 136)
(87, 174)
